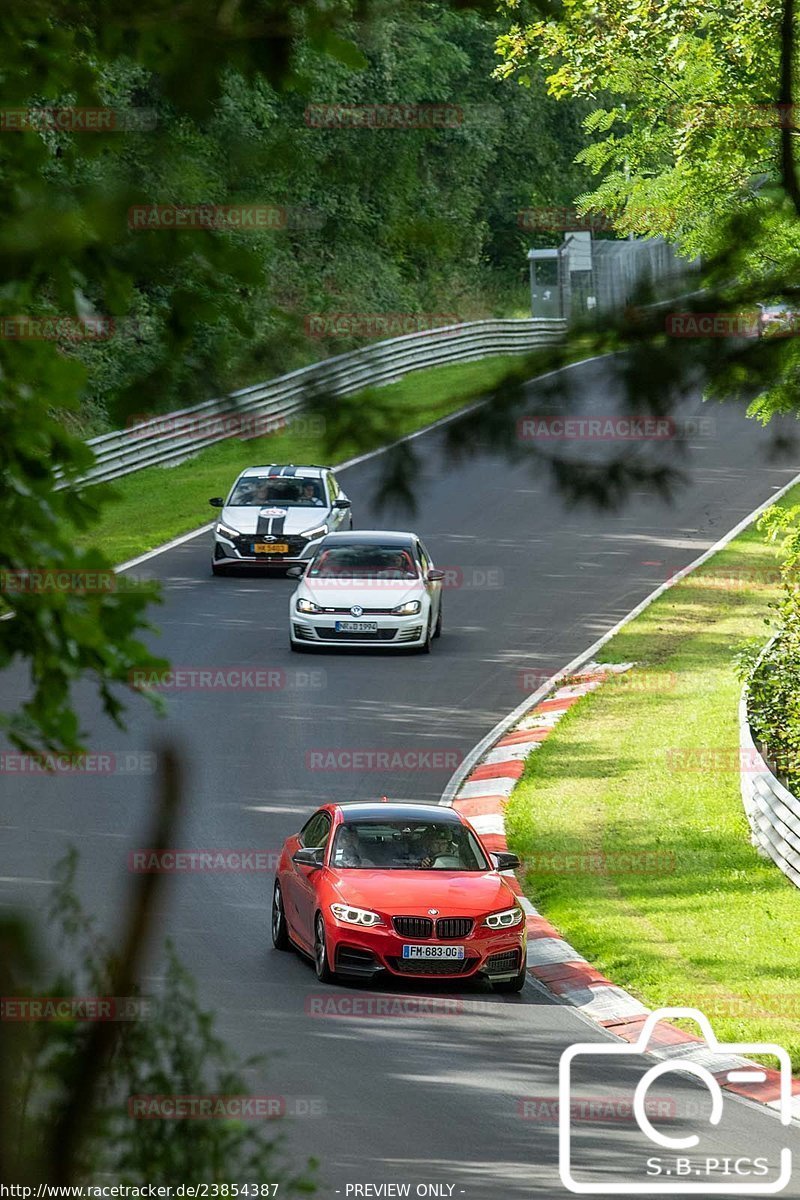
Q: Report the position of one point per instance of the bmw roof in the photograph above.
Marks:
(286, 470)
(388, 810)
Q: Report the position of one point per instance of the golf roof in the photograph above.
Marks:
(369, 537)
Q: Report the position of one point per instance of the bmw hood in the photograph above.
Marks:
(413, 893)
(273, 519)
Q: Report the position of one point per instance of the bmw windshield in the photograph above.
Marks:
(407, 846)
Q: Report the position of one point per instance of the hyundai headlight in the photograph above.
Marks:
(226, 530)
(317, 531)
(506, 919)
(355, 916)
(408, 609)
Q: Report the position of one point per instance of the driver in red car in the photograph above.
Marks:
(439, 851)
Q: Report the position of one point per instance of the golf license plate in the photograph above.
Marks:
(356, 626)
(433, 951)
(270, 547)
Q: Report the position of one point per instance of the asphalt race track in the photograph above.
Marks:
(410, 1100)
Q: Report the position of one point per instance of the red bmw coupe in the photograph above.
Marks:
(405, 889)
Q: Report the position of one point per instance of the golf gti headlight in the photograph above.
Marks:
(307, 606)
(355, 916)
(505, 919)
(226, 530)
(408, 609)
(317, 531)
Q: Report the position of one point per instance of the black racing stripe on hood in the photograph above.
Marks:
(267, 524)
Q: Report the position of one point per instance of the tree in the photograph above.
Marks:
(70, 1086)
(686, 127)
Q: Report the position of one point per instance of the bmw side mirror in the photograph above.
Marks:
(309, 856)
(504, 861)
(342, 503)
(217, 502)
(295, 572)
(434, 575)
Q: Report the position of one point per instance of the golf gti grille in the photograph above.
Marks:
(338, 635)
(413, 927)
(454, 927)
(432, 966)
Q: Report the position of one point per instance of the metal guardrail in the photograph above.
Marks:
(772, 810)
(172, 437)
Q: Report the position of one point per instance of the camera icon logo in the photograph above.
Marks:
(674, 1170)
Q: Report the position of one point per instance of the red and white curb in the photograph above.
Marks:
(552, 962)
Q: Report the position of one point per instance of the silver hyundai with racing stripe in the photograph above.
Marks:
(276, 515)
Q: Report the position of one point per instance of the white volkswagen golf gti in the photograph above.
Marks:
(368, 588)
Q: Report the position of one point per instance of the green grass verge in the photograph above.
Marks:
(715, 925)
(152, 506)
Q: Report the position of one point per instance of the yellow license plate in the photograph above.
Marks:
(271, 548)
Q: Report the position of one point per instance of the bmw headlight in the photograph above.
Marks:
(317, 531)
(506, 919)
(408, 609)
(226, 530)
(355, 916)
(307, 606)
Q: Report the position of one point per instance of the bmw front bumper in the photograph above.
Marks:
(495, 955)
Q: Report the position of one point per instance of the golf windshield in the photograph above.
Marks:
(364, 562)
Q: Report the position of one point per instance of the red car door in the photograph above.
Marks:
(314, 835)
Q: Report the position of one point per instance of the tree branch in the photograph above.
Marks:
(68, 1132)
(785, 103)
